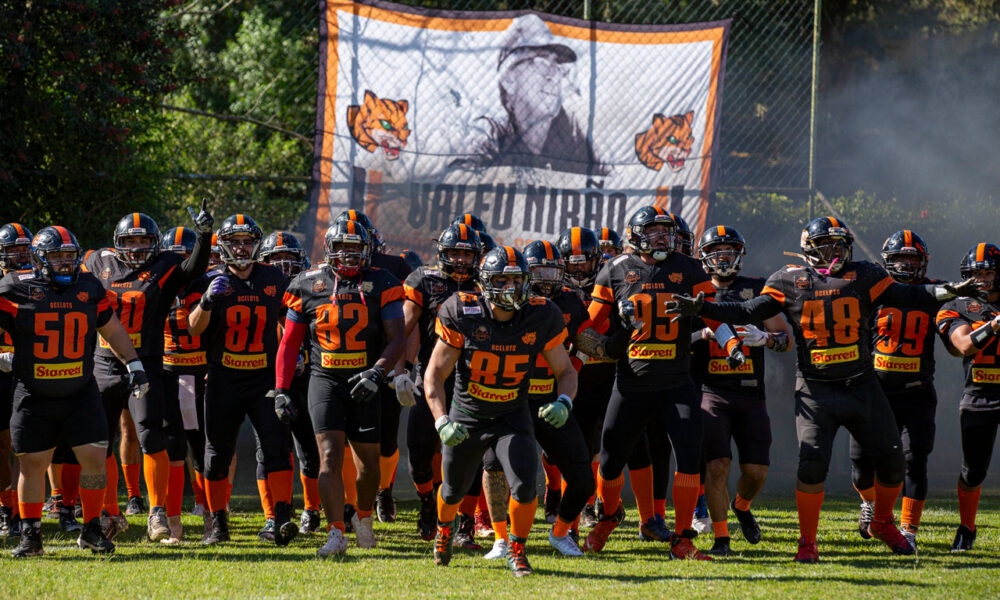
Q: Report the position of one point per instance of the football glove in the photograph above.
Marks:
(450, 432)
(218, 287)
(626, 308)
(138, 382)
(753, 337)
(203, 221)
(6, 361)
(283, 405)
(963, 289)
(556, 413)
(404, 389)
(685, 306)
(365, 384)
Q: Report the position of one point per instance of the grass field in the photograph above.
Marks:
(401, 566)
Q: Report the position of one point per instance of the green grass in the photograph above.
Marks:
(402, 566)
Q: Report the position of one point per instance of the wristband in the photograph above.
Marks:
(134, 365)
(441, 422)
(982, 334)
(565, 400)
(205, 304)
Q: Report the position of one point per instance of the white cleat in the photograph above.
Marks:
(702, 525)
(364, 531)
(499, 550)
(156, 524)
(565, 545)
(336, 543)
(911, 538)
(176, 531)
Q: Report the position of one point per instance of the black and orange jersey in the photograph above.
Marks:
(710, 362)
(428, 288)
(183, 352)
(660, 351)
(903, 345)
(143, 297)
(492, 374)
(982, 370)
(595, 369)
(344, 316)
(542, 382)
(242, 334)
(6, 345)
(393, 264)
(54, 330)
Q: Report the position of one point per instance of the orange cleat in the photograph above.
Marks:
(682, 548)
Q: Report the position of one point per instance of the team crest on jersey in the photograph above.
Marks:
(746, 294)
(528, 338)
(106, 273)
(481, 334)
(631, 277)
(438, 287)
(850, 276)
(566, 317)
(802, 282)
(82, 296)
(676, 277)
(271, 290)
(367, 287)
(975, 307)
(319, 286)
(145, 276)
(37, 294)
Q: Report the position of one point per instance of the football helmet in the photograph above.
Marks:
(412, 258)
(283, 241)
(610, 243)
(179, 239)
(235, 225)
(136, 225)
(458, 237)
(374, 237)
(581, 253)
(827, 244)
(685, 237)
(486, 240)
(636, 232)
(547, 268)
(897, 248)
(13, 235)
(471, 220)
(56, 270)
(505, 278)
(722, 264)
(355, 252)
(982, 257)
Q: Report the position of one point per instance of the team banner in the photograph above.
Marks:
(534, 122)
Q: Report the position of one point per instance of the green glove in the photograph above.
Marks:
(451, 433)
(556, 413)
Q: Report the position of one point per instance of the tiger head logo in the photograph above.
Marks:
(668, 141)
(380, 123)
(271, 290)
(528, 338)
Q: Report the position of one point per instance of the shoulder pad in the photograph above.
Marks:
(537, 301)
(620, 258)
(311, 272)
(25, 275)
(792, 267)
(468, 297)
(107, 252)
(434, 272)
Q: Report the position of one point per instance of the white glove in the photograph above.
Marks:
(752, 337)
(6, 361)
(404, 389)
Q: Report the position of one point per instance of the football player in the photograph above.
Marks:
(904, 363)
(412, 258)
(830, 303)
(493, 339)
(610, 244)
(970, 328)
(143, 283)
(54, 313)
(15, 255)
(733, 403)
(347, 309)
(237, 315)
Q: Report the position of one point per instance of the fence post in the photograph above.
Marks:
(817, 15)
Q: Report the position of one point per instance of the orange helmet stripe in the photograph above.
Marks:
(467, 219)
(548, 250)
(64, 234)
(179, 236)
(659, 210)
(574, 240)
(605, 234)
(351, 227)
(20, 230)
(278, 242)
(834, 222)
(981, 252)
(352, 215)
(511, 257)
(908, 238)
(720, 230)
(463, 231)
(135, 220)
(239, 219)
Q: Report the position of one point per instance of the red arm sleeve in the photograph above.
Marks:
(288, 353)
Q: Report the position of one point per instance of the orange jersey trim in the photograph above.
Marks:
(770, 291)
(944, 315)
(880, 287)
(392, 294)
(704, 286)
(413, 295)
(293, 302)
(8, 307)
(558, 339)
(448, 335)
(604, 294)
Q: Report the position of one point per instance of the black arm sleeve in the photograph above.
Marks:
(740, 313)
(909, 296)
(195, 265)
(617, 344)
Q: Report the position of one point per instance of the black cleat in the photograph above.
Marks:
(92, 537)
(266, 533)
(220, 529)
(721, 547)
(67, 522)
(588, 518)
(135, 506)
(385, 506)
(427, 519)
(285, 530)
(964, 539)
(552, 499)
(15, 526)
(443, 544)
(748, 524)
(31, 540)
(465, 533)
(78, 509)
(309, 522)
(349, 512)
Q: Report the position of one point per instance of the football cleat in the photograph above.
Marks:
(78, 509)
(721, 547)
(427, 519)
(599, 535)
(92, 537)
(266, 533)
(135, 506)
(443, 544)
(464, 537)
(702, 522)
(807, 553)
(681, 547)
(198, 510)
(484, 528)
(364, 532)
(220, 529)
(588, 518)
(6, 515)
(67, 522)
(349, 512)
(285, 530)
(112, 525)
(654, 530)
(575, 534)
(336, 543)
(207, 524)
(552, 499)
(964, 539)
(499, 550)
(565, 545)
(31, 540)
(156, 524)
(176, 531)
(910, 535)
(865, 518)
(309, 522)
(15, 527)
(516, 557)
(385, 506)
(887, 532)
(748, 524)
(51, 506)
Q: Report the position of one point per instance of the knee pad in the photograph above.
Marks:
(278, 463)
(890, 468)
(862, 476)
(523, 492)
(176, 448)
(150, 441)
(812, 470)
(215, 469)
(449, 494)
(973, 476)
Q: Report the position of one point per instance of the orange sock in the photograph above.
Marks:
(968, 504)
(70, 484)
(522, 515)
(436, 468)
(885, 501)
(685, 495)
(912, 510)
(218, 494)
(660, 507)
(111, 489)
(280, 483)
(424, 488)
(198, 486)
(31, 510)
(867, 494)
(15, 505)
(642, 488)
(553, 478)
(310, 492)
(701, 487)
(266, 498)
(92, 501)
(809, 506)
(349, 474)
(481, 505)
(610, 492)
(387, 470)
(594, 467)
(500, 530)
(175, 491)
(55, 478)
(741, 503)
(363, 514)
(468, 506)
(131, 473)
(720, 529)
(156, 471)
(338, 524)
(446, 512)
(7, 498)
(560, 528)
